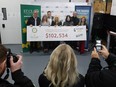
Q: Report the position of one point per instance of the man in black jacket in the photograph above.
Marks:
(98, 77)
(34, 21)
(50, 18)
(17, 75)
(75, 19)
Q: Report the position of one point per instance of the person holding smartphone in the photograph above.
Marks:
(101, 77)
(17, 75)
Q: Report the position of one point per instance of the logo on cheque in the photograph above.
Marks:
(34, 30)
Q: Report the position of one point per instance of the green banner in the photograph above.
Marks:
(26, 12)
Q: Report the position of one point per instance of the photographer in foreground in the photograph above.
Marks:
(98, 77)
(17, 75)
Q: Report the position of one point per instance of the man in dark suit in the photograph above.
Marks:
(34, 21)
(50, 17)
(51, 20)
(75, 19)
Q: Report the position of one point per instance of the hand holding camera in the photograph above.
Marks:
(9, 54)
(97, 47)
(94, 54)
(104, 52)
(14, 62)
(14, 66)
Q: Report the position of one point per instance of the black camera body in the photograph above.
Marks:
(9, 54)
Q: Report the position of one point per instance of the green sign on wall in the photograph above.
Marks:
(26, 12)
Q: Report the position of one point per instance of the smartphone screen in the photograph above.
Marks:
(98, 45)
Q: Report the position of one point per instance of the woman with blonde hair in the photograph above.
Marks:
(61, 70)
(45, 22)
(56, 21)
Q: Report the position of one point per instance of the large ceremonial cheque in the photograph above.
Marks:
(58, 33)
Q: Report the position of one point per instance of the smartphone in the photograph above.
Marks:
(98, 45)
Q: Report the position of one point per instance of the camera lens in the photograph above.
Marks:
(9, 54)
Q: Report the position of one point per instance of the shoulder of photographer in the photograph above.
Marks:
(111, 60)
(18, 75)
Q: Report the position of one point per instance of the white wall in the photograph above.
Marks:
(11, 34)
(51, 0)
(113, 8)
(78, 0)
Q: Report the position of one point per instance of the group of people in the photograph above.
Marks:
(62, 71)
(49, 20)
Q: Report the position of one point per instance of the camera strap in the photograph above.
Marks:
(7, 75)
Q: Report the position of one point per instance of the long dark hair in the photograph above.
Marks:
(67, 18)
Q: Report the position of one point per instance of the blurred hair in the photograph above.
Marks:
(44, 17)
(48, 11)
(35, 11)
(74, 12)
(56, 19)
(3, 52)
(62, 67)
(83, 23)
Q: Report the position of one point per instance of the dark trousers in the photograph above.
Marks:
(54, 44)
(73, 44)
(50, 44)
(46, 44)
(33, 46)
(82, 46)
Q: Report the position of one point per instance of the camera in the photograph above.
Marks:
(9, 54)
(98, 45)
